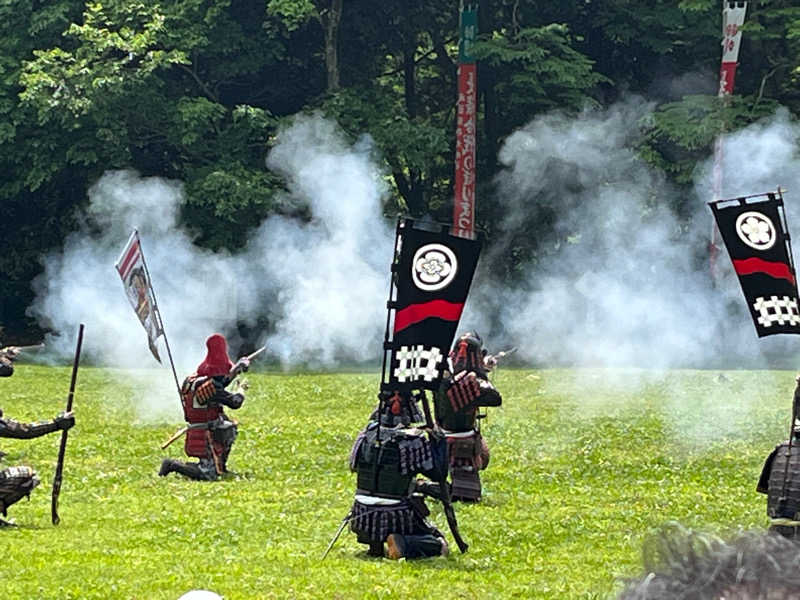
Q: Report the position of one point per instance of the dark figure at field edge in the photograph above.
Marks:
(18, 482)
(389, 503)
(780, 480)
(690, 565)
(210, 433)
(466, 387)
(7, 356)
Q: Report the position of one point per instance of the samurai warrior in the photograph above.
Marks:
(210, 433)
(464, 389)
(18, 482)
(389, 504)
(7, 356)
(780, 480)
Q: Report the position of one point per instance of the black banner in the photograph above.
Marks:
(755, 234)
(431, 277)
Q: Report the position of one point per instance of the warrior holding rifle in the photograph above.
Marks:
(18, 482)
(431, 273)
(464, 389)
(210, 433)
(9, 354)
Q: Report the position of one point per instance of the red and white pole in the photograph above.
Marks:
(466, 119)
(732, 19)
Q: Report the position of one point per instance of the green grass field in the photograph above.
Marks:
(585, 465)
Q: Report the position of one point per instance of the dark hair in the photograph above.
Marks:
(681, 564)
(137, 272)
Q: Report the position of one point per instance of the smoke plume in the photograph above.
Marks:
(322, 284)
(620, 280)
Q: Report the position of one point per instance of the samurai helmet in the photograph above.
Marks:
(468, 353)
(217, 361)
(398, 408)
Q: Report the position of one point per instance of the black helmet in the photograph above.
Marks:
(468, 353)
(397, 408)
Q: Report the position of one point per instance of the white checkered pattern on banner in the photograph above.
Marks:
(781, 310)
(417, 362)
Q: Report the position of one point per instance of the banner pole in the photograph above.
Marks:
(733, 15)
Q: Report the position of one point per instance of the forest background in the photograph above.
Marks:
(197, 91)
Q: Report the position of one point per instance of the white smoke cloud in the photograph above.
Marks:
(629, 287)
(621, 283)
(323, 283)
(330, 277)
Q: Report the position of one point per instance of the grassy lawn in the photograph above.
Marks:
(585, 465)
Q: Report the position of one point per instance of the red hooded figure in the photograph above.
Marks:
(210, 433)
(217, 361)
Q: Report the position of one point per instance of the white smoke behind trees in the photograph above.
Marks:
(620, 280)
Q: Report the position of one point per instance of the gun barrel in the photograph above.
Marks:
(16, 349)
(31, 347)
(256, 353)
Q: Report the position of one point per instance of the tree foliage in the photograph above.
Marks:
(195, 90)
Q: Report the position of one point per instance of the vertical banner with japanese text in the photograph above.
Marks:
(733, 14)
(466, 115)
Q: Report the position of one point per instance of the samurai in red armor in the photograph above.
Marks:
(210, 433)
(466, 387)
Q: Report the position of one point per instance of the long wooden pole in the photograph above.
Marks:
(732, 19)
(63, 447)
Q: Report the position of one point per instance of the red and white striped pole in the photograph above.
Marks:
(732, 20)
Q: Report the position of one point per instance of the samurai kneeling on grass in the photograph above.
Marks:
(465, 388)
(18, 482)
(389, 505)
(210, 433)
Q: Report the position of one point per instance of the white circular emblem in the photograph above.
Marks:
(756, 230)
(433, 267)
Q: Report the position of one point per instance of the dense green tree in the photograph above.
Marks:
(195, 90)
(682, 132)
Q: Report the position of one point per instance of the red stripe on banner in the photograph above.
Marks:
(779, 270)
(727, 74)
(130, 259)
(414, 313)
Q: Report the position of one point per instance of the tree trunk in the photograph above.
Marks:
(330, 16)
(486, 87)
(414, 196)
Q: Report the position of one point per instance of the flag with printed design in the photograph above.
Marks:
(135, 279)
(755, 234)
(431, 277)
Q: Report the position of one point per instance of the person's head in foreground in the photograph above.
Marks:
(686, 565)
